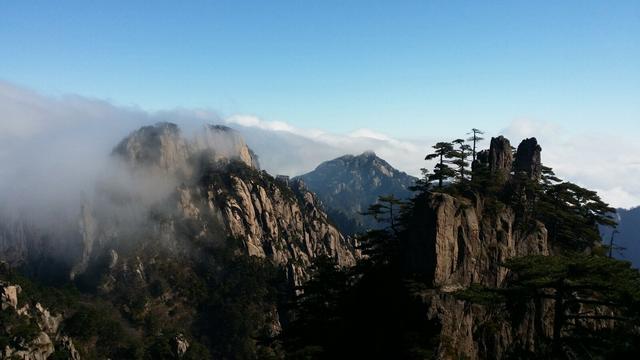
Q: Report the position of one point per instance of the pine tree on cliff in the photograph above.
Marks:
(571, 213)
(584, 290)
(444, 152)
(386, 210)
(460, 156)
(475, 138)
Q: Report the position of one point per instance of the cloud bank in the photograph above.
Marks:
(606, 162)
(53, 148)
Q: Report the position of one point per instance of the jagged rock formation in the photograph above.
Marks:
(463, 241)
(166, 218)
(500, 158)
(44, 334)
(528, 159)
(348, 185)
(219, 192)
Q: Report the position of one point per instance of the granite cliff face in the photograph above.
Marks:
(463, 241)
(218, 192)
(348, 185)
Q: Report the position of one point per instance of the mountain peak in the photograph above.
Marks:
(348, 185)
(163, 146)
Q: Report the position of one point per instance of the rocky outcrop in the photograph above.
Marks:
(463, 241)
(160, 145)
(182, 345)
(500, 158)
(273, 220)
(164, 147)
(528, 159)
(9, 296)
(466, 241)
(41, 342)
(219, 193)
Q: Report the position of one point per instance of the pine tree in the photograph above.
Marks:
(571, 213)
(386, 210)
(583, 289)
(475, 138)
(444, 152)
(460, 155)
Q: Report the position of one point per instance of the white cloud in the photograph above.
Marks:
(288, 150)
(48, 144)
(606, 162)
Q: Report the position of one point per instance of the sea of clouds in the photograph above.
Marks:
(52, 149)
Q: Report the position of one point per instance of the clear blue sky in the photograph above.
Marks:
(339, 65)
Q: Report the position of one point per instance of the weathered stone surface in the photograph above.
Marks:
(463, 243)
(528, 159)
(9, 296)
(46, 321)
(224, 195)
(68, 345)
(289, 228)
(500, 158)
(162, 146)
(41, 346)
(159, 145)
(182, 345)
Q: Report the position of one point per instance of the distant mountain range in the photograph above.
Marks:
(626, 244)
(348, 185)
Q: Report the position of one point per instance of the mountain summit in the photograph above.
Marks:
(348, 185)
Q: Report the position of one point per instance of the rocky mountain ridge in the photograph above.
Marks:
(348, 185)
(212, 183)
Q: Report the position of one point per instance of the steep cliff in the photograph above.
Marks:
(459, 240)
(219, 192)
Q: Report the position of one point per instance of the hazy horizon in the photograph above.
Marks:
(337, 77)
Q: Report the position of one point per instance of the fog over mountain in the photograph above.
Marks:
(53, 146)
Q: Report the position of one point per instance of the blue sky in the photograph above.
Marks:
(405, 68)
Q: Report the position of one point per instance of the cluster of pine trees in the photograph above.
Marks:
(453, 158)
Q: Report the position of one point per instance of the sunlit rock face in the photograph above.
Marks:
(163, 146)
(459, 241)
(221, 193)
(165, 191)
